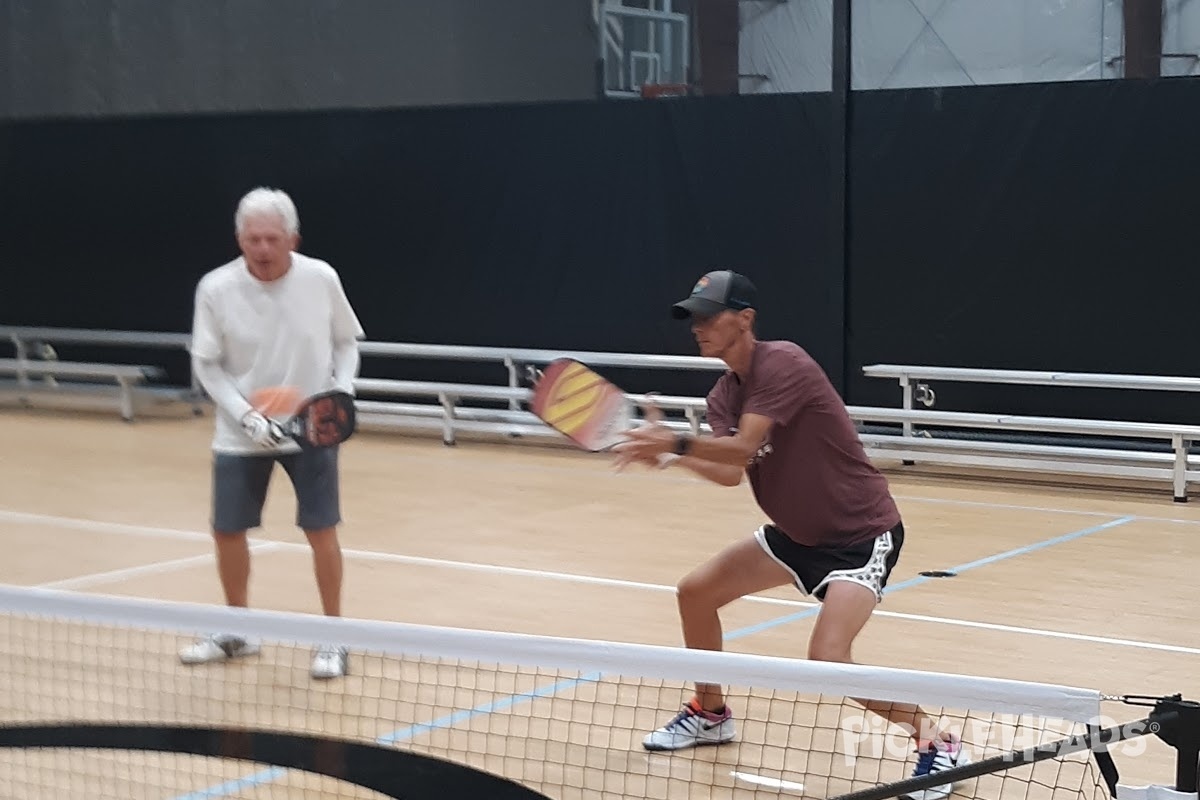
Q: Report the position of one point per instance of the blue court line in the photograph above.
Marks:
(229, 787)
(918, 580)
(403, 734)
(412, 731)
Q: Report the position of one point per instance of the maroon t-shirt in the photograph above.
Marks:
(812, 476)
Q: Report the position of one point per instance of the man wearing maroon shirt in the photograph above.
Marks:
(834, 530)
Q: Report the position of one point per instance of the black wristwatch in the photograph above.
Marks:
(683, 443)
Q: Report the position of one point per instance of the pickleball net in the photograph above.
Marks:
(95, 703)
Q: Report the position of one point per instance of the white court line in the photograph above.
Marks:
(1079, 637)
(95, 526)
(155, 568)
(372, 555)
(761, 780)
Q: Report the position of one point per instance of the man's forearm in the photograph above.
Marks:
(722, 450)
(345, 365)
(220, 387)
(724, 474)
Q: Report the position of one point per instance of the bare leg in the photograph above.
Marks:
(327, 564)
(742, 568)
(844, 612)
(233, 566)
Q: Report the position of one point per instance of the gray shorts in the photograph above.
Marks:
(240, 488)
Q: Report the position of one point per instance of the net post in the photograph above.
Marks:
(1158, 722)
(1183, 733)
(1186, 769)
(1179, 726)
(1104, 762)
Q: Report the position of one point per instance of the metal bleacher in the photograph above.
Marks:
(907, 434)
(1171, 461)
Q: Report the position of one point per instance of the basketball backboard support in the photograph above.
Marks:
(641, 44)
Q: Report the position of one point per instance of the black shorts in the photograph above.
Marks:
(867, 563)
(240, 488)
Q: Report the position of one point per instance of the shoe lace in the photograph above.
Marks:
(925, 762)
(681, 718)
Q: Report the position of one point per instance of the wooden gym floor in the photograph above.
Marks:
(1091, 587)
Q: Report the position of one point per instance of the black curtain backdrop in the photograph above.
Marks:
(569, 226)
(1041, 227)
(1035, 226)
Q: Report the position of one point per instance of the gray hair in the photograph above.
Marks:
(268, 201)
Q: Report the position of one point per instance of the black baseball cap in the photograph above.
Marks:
(722, 290)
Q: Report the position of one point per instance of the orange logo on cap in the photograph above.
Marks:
(701, 285)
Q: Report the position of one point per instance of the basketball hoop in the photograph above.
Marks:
(653, 91)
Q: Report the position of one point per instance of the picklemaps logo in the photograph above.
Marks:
(1127, 740)
(1012, 737)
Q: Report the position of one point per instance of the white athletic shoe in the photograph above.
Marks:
(691, 727)
(330, 662)
(942, 756)
(218, 647)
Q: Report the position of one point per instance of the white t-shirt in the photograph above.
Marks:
(269, 334)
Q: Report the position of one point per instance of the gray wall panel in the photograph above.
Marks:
(101, 57)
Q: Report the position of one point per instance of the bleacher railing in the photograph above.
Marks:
(1089, 447)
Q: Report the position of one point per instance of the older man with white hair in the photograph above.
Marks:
(271, 321)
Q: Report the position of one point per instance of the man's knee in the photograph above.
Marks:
(223, 536)
(701, 592)
(693, 591)
(323, 537)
